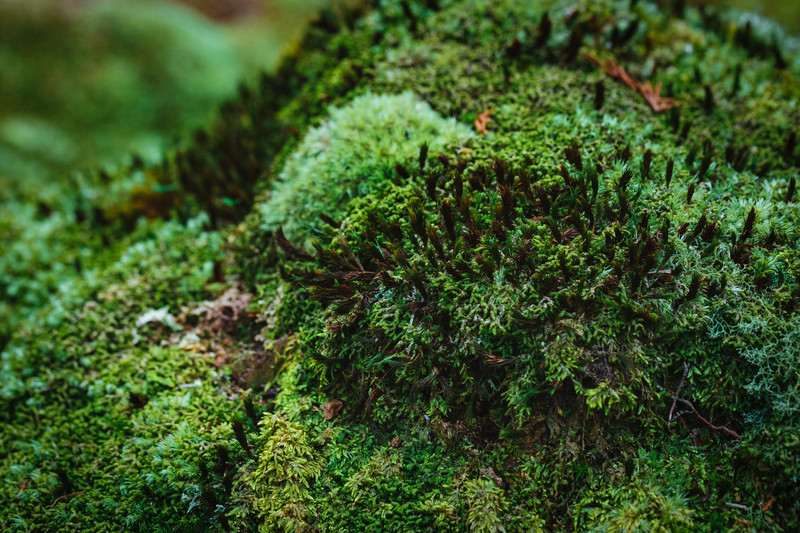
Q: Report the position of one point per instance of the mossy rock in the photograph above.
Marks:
(517, 266)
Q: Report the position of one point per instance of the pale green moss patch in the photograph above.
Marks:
(354, 153)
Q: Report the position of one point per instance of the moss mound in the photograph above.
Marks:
(475, 265)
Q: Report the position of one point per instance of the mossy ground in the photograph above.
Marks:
(583, 319)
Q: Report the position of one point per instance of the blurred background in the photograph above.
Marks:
(84, 83)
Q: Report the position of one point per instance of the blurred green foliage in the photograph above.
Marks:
(786, 13)
(86, 84)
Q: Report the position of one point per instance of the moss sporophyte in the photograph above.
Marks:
(456, 266)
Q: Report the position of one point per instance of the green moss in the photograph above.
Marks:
(83, 433)
(353, 153)
(575, 321)
(286, 470)
(650, 501)
(486, 504)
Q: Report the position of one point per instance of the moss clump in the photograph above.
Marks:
(643, 499)
(574, 321)
(287, 468)
(353, 153)
(486, 504)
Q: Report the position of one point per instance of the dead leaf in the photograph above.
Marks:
(491, 474)
(254, 368)
(767, 505)
(332, 409)
(224, 313)
(570, 234)
(651, 94)
(482, 120)
(396, 442)
(158, 316)
(496, 361)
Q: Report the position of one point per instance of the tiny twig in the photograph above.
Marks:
(652, 95)
(70, 495)
(709, 424)
(737, 506)
(678, 393)
(676, 398)
(678, 415)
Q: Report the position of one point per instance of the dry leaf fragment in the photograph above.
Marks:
(767, 505)
(332, 409)
(497, 361)
(396, 442)
(651, 94)
(491, 474)
(227, 311)
(482, 120)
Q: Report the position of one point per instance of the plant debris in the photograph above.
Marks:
(651, 94)
(483, 120)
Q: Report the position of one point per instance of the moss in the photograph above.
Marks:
(286, 470)
(112, 397)
(572, 321)
(354, 152)
(486, 504)
(644, 502)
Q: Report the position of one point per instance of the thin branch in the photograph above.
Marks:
(678, 415)
(709, 424)
(737, 506)
(66, 496)
(678, 393)
(651, 94)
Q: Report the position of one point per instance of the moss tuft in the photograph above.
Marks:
(354, 152)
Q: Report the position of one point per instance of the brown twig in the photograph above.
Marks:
(737, 506)
(678, 415)
(70, 495)
(709, 424)
(678, 392)
(651, 94)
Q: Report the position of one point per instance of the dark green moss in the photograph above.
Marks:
(585, 318)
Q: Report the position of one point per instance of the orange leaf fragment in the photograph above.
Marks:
(768, 504)
(482, 120)
(651, 94)
(494, 360)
